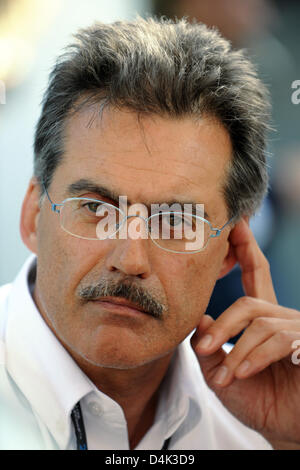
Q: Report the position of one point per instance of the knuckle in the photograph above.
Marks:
(263, 323)
(283, 336)
(266, 264)
(245, 301)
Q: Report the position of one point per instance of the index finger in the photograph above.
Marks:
(256, 275)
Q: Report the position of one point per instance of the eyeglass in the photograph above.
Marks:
(174, 231)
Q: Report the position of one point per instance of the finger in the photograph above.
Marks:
(210, 363)
(258, 333)
(256, 276)
(278, 347)
(205, 322)
(238, 317)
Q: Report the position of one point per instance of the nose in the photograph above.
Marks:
(130, 256)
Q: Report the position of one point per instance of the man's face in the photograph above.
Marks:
(149, 160)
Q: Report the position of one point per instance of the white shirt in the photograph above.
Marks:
(40, 384)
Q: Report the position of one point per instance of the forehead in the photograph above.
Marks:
(146, 157)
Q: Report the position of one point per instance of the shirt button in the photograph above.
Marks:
(95, 408)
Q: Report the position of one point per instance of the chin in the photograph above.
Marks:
(117, 362)
(122, 358)
(116, 348)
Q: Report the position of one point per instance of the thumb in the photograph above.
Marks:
(208, 363)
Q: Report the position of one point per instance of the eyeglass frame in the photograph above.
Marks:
(146, 219)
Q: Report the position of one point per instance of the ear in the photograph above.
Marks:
(230, 259)
(30, 215)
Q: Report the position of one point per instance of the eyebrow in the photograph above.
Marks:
(102, 191)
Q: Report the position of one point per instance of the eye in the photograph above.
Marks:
(92, 206)
(174, 220)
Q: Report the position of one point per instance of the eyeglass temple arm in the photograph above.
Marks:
(53, 206)
(219, 230)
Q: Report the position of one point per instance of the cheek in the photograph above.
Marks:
(199, 282)
(191, 286)
(63, 260)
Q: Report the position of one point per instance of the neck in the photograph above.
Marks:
(135, 390)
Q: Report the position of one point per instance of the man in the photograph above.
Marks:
(104, 338)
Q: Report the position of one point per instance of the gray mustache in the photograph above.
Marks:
(127, 291)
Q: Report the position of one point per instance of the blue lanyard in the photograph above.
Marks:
(79, 428)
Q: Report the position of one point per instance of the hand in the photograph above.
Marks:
(257, 381)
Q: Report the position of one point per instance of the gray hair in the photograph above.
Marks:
(169, 68)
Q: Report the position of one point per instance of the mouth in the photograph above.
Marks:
(120, 305)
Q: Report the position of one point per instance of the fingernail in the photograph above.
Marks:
(221, 375)
(243, 368)
(205, 341)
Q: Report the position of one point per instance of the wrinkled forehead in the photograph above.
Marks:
(147, 157)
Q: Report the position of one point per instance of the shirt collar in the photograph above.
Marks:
(52, 381)
(177, 392)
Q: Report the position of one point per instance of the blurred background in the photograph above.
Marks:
(33, 33)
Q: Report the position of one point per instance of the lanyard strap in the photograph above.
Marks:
(79, 428)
